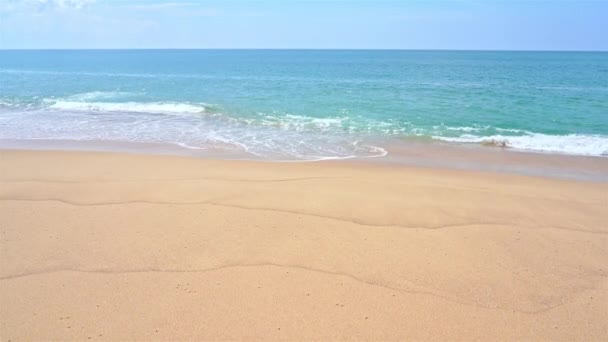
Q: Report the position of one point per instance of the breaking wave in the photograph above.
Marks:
(592, 145)
(129, 107)
(266, 135)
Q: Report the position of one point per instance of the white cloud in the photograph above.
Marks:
(174, 8)
(40, 5)
(160, 5)
(70, 3)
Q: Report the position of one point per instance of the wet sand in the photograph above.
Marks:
(121, 246)
(400, 152)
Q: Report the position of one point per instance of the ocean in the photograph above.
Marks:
(308, 104)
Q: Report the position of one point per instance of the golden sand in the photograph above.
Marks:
(118, 246)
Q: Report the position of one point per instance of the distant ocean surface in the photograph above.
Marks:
(308, 104)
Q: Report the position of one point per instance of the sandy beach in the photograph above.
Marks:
(110, 246)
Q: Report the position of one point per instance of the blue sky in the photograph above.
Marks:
(377, 24)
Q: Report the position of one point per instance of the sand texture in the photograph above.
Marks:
(118, 246)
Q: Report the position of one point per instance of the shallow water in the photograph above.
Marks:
(308, 104)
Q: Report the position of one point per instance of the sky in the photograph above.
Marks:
(290, 24)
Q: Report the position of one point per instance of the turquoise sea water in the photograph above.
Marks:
(308, 104)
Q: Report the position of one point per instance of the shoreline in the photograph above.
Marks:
(411, 152)
(103, 245)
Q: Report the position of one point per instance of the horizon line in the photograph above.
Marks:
(294, 49)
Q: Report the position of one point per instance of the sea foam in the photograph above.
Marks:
(129, 107)
(592, 145)
(273, 135)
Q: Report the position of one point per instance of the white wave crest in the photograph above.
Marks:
(478, 129)
(99, 95)
(592, 145)
(129, 107)
(300, 123)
